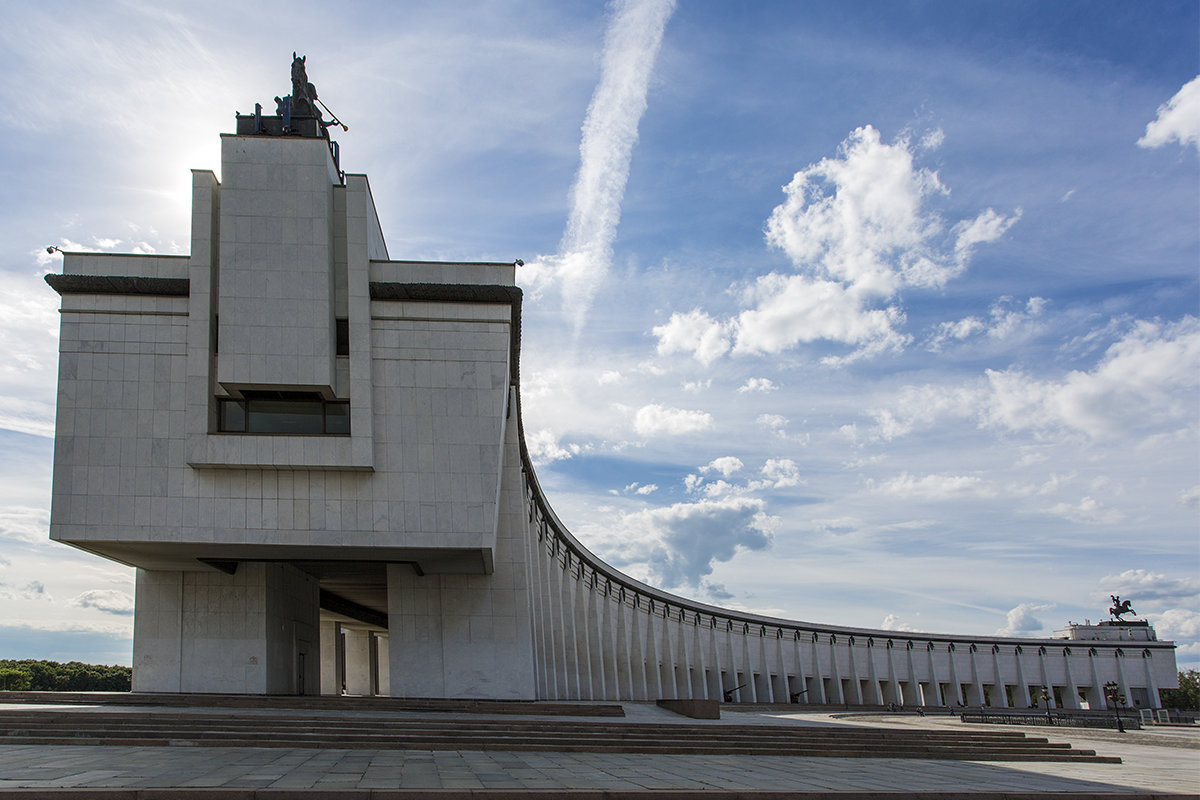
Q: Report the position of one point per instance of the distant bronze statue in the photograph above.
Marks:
(303, 92)
(1120, 607)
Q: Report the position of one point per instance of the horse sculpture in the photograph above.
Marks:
(1120, 607)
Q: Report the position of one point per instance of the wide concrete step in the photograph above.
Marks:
(168, 728)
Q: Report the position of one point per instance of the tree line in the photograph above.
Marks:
(29, 675)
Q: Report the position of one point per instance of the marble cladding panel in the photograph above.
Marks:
(121, 471)
(276, 296)
(426, 272)
(122, 264)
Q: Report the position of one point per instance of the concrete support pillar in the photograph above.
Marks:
(670, 687)
(358, 660)
(245, 633)
(383, 675)
(331, 663)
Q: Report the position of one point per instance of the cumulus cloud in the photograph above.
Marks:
(1178, 120)
(1005, 317)
(726, 465)
(1146, 380)
(1022, 619)
(694, 332)
(610, 131)
(893, 623)
(757, 385)
(858, 228)
(780, 473)
(677, 545)
(1153, 589)
(642, 489)
(110, 601)
(544, 447)
(34, 590)
(655, 419)
(776, 423)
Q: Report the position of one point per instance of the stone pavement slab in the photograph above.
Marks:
(1151, 767)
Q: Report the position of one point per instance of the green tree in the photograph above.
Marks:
(1187, 696)
(13, 679)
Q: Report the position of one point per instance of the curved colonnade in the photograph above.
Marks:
(601, 635)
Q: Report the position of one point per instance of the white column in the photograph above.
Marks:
(637, 653)
(1072, 690)
(654, 687)
(669, 685)
(838, 695)
(579, 633)
(818, 673)
(750, 690)
(955, 684)
(1151, 683)
(626, 690)
(934, 683)
(700, 685)
(1022, 699)
(894, 695)
(1002, 700)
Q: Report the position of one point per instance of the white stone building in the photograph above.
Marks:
(313, 456)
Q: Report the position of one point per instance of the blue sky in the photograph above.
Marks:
(877, 314)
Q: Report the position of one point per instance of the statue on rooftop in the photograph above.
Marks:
(1120, 607)
(303, 92)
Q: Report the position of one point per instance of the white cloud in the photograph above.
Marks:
(24, 524)
(110, 601)
(1177, 623)
(726, 465)
(694, 332)
(677, 545)
(638, 488)
(695, 387)
(655, 419)
(781, 473)
(1153, 589)
(1088, 511)
(544, 447)
(1146, 380)
(893, 623)
(757, 385)
(1021, 620)
(609, 377)
(1005, 319)
(935, 487)
(610, 131)
(857, 228)
(776, 423)
(1178, 120)
(1190, 497)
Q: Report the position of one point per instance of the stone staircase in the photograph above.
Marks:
(239, 727)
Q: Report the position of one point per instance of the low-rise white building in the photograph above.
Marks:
(313, 455)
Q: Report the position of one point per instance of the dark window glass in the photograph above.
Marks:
(337, 417)
(302, 413)
(284, 416)
(232, 415)
(342, 330)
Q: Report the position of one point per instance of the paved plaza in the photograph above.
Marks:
(1161, 761)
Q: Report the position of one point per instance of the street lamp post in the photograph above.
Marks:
(1114, 695)
(1044, 693)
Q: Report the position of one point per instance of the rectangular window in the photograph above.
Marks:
(297, 413)
(342, 331)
